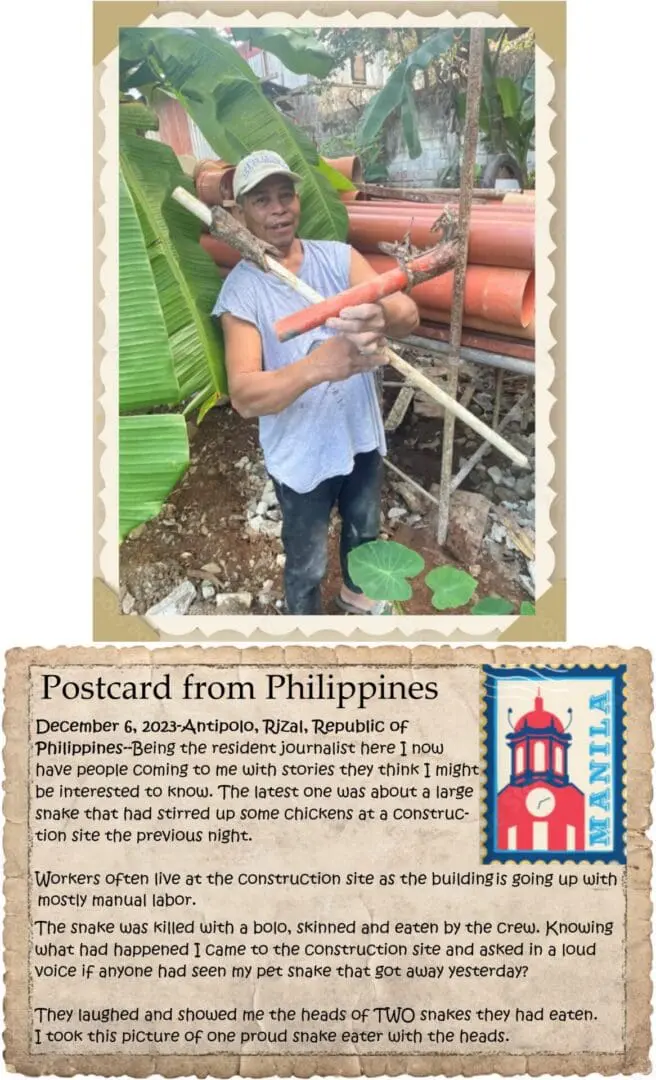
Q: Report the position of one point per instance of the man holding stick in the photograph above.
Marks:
(320, 424)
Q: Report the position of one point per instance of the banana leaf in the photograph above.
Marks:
(136, 117)
(410, 123)
(298, 49)
(509, 93)
(146, 372)
(336, 179)
(186, 278)
(398, 89)
(224, 98)
(153, 456)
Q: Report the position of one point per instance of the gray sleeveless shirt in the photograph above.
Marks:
(318, 435)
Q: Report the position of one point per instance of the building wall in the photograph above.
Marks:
(440, 146)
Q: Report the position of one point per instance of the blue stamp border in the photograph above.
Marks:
(491, 677)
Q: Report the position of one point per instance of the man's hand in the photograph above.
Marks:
(338, 359)
(363, 326)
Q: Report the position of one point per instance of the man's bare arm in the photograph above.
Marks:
(254, 392)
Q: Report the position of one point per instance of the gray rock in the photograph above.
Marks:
(211, 568)
(414, 519)
(281, 560)
(528, 584)
(127, 604)
(269, 498)
(267, 585)
(504, 494)
(396, 512)
(495, 474)
(242, 463)
(523, 486)
(270, 528)
(177, 602)
(498, 533)
(274, 514)
(261, 508)
(234, 603)
(207, 590)
(509, 480)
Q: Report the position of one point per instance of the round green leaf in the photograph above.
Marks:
(451, 587)
(526, 608)
(381, 568)
(492, 605)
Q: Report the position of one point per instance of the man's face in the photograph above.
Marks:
(272, 210)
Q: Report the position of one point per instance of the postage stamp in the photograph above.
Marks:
(554, 748)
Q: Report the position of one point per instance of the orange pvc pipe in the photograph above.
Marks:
(213, 182)
(393, 279)
(487, 342)
(351, 196)
(350, 167)
(395, 206)
(518, 198)
(491, 242)
(485, 326)
(496, 294)
(222, 254)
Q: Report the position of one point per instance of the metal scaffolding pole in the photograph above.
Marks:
(470, 139)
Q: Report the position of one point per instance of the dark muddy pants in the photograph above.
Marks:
(305, 521)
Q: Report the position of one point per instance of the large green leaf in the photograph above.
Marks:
(146, 372)
(153, 455)
(186, 277)
(299, 49)
(224, 98)
(136, 117)
(410, 122)
(382, 567)
(335, 178)
(508, 91)
(451, 587)
(398, 85)
(492, 605)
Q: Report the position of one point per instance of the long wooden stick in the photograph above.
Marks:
(467, 165)
(393, 359)
(381, 191)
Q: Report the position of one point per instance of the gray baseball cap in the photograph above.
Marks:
(257, 167)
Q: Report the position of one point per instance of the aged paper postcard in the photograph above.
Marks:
(188, 542)
(340, 861)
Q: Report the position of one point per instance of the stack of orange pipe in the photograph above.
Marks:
(499, 283)
(496, 238)
(502, 296)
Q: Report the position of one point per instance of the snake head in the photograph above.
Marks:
(447, 224)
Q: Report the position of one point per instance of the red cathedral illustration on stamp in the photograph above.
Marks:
(554, 748)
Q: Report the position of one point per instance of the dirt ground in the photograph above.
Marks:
(204, 535)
